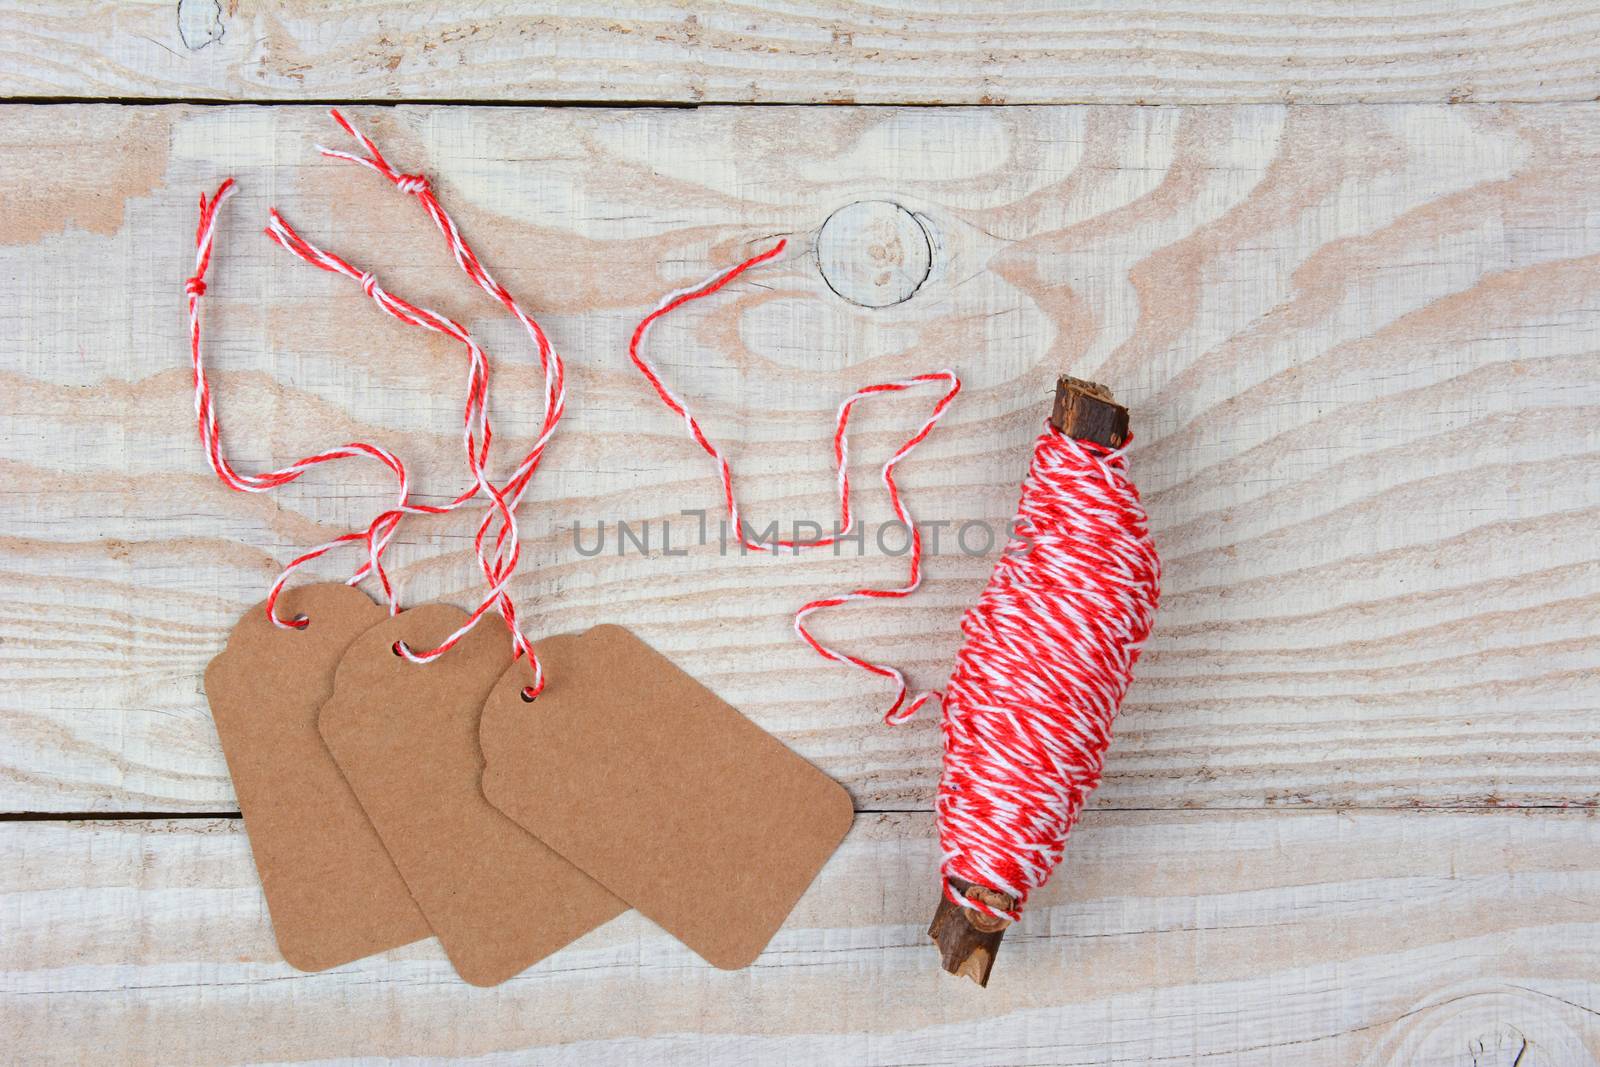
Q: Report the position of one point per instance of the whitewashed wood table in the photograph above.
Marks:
(1350, 813)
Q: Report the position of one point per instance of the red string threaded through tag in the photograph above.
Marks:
(498, 560)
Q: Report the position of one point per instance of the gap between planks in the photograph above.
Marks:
(1462, 809)
(717, 105)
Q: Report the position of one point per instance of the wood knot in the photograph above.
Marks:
(874, 253)
(199, 23)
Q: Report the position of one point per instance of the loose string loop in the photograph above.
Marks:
(476, 431)
(902, 708)
(1048, 655)
(500, 561)
(210, 432)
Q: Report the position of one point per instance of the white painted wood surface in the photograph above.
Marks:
(759, 51)
(1359, 345)
(1340, 938)
(1360, 348)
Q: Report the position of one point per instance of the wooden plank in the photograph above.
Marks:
(1358, 345)
(1403, 939)
(1116, 51)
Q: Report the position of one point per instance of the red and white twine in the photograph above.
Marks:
(210, 431)
(1048, 655)
(498, 562)
(902, 708)
(1050, 646)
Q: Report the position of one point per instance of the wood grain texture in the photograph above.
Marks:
(1359, 345)
(759, 51)
(1395, 939)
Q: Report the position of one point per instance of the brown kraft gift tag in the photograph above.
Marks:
(661, 791)
(331, 890)
(406, 736)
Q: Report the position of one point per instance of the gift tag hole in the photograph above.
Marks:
(528, 694)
